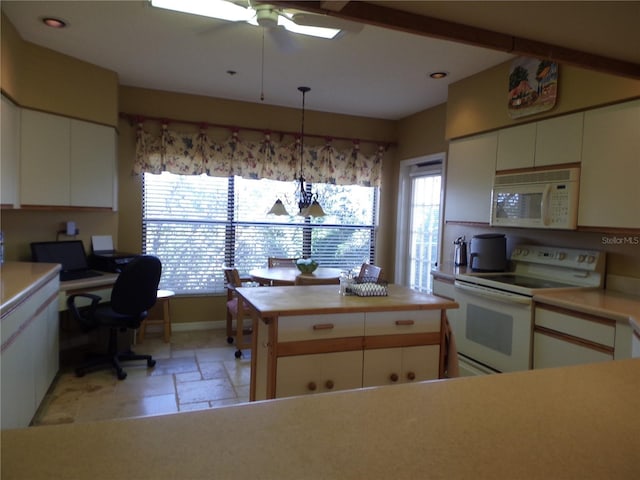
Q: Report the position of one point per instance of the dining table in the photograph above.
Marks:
(280, 276)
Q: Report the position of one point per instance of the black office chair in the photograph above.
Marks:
(133, 294)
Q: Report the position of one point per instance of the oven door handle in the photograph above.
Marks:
(493, 294)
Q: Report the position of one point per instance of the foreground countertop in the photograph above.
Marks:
(570, 423)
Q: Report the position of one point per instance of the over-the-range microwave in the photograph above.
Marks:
(536, 199)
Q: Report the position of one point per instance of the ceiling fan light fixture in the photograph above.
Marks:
(220, 9)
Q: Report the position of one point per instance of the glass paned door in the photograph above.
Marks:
(424, 229)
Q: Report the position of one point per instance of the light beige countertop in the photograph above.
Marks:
(18, 280)
(561, 423)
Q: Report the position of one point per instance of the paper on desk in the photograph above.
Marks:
(102, 243)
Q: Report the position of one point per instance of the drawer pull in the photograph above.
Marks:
(323, 326)
(404, 322)
(312, 386)
(411, 376)
(329, 384)
(393, 377)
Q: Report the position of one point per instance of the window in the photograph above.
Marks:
(419, 219)
(198, 224)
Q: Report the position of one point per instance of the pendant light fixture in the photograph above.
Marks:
(308, 205)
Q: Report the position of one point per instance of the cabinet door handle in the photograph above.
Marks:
(411, 376)
(404, 322)
(393, 377)
(329, 384)
(312, 386)
(323, 326)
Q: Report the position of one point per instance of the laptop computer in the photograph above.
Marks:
(70, 254)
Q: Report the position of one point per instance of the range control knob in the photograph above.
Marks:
(562, 255)
(591, 259)
(581, 258)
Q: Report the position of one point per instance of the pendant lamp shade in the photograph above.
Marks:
(308, 205)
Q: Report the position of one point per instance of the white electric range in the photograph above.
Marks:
(493, 326)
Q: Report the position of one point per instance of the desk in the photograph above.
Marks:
(96, 285)
(287, 276)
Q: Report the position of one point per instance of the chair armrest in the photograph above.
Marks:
(84, 317)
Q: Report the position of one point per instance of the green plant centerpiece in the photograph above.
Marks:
(306, 265)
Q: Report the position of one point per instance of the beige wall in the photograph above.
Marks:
(479, 103)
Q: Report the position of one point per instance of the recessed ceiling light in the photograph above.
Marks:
(438, 75)
(54, 22)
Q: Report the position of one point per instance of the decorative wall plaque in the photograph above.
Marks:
(533, 86)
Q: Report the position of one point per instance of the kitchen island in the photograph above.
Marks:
(311, 339)
(561, 423)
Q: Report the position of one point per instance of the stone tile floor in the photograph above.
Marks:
(195, 371)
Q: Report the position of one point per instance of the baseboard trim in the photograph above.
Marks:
(193, 326)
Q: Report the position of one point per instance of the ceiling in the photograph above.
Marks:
(375, 72)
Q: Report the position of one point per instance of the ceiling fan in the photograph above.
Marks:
(263, 15)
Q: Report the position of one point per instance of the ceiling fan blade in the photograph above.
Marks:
(284, 40)
(325, 21)
(219, 27)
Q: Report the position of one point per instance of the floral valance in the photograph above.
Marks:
(197, 153)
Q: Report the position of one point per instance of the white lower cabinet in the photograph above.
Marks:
(29, 360)
(389, 366)
(339, 351)
(316, 373)
(562, 338)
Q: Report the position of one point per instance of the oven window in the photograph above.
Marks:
(489, 328)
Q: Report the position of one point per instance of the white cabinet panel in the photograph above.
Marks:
(553, 352)
(559, 140)
(29, 359)
(389, 366)
(318, 327)
(10, 153)
(471, 166)
(399, 323)
(316, 373)
(44, 164)
(610, 167)
(65, 162)
(516, 147)
(92, 169)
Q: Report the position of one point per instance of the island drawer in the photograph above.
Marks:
(319, 327)
(402, 322)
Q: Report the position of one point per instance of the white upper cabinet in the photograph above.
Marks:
(516, 147)
(559, 140)
(10, 153)
(93, 167)
(611, 167)
(548, 142)
(44, 164)
(471, 166)
(66, 162)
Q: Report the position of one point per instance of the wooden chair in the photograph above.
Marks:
(235, 311)
(370, 272)
(309, 280)
(275, 262)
